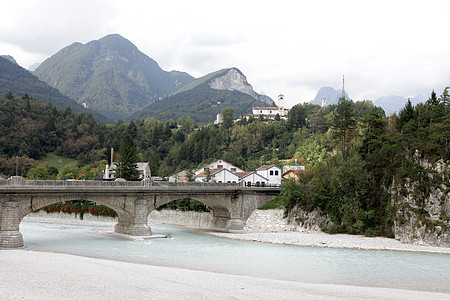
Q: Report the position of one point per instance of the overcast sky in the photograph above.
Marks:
(292, 47)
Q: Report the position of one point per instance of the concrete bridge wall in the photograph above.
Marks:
(133, 201)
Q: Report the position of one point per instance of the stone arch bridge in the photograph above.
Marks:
(133, 201)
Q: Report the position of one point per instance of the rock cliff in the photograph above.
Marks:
(234, 80)
(423, 206)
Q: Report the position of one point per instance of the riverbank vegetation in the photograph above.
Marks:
(352, 151)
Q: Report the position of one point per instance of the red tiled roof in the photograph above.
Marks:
(211, 171)
(242, 174)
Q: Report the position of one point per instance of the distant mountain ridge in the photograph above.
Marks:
(390, 104)
(393, 104)
(19, 81)
(205, 97)
(110, 75)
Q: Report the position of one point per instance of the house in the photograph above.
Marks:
(291, 174)
(294, 168)
(270, 112)
(219, 164)
(271, 172)
(252, 179)
(180, 176)
(142, 167)
(217, 175)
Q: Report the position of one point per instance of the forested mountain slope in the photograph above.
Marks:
(110, 75)
(19, 82)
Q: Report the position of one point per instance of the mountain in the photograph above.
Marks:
(110, 75)
(205, 97)
(19, 81)
(331, 95)
(393, 104)
(33, 67)
(10, 58)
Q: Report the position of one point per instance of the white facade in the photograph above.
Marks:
(218, 175)
(253, 179)
(272, 173)
(142, 167)
(219, 164)
(293, 168)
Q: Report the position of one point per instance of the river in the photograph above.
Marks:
(194, 249)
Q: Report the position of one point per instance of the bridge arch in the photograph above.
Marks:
(221, 212)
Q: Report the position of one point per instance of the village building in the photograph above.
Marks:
(180, 176)
(272, 112)
(219, 164)
(272, 173)
(291, 174)
(143, 168)
(252, 179)
(217, 175)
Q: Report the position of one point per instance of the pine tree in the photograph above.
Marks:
(343, 122)
(128, 158)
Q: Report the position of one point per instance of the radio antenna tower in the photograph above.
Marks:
(343, 88)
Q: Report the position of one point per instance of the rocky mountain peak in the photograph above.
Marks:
(234, 80)
(10, 58)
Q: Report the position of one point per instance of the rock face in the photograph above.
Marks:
(273, 220)
(423, 220)
(331, 95)
(234, 80)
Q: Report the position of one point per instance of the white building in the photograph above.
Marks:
(252, 179)
(142, 167)
(271, 172)
(219, 164)
(271, 112)
(219, 119)
(217, 175)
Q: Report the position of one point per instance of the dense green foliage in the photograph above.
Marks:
(352, 188)
(21, 82)
(110, 75)
(201, 103)
(128, 159)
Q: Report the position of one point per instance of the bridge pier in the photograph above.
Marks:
(137, 226)
(10, 236)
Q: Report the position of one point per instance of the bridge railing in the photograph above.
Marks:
(20, 181)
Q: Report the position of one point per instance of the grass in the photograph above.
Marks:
(54, 160)
(275, 203)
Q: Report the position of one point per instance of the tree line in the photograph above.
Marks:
(352, 151)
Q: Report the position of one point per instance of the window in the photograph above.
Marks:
(249, 183)
(205, 169)
(260, 111)
(276, 173)
(219, 166)
(271, 173)
(233, 170)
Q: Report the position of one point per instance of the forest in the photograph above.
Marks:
(352, 151)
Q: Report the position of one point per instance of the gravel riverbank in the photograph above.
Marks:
(43, 275)
(320, 239)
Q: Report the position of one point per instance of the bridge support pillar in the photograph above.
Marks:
(235, 224)
(10, 237)
(137, 226)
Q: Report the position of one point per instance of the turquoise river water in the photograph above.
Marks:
(193, 249)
